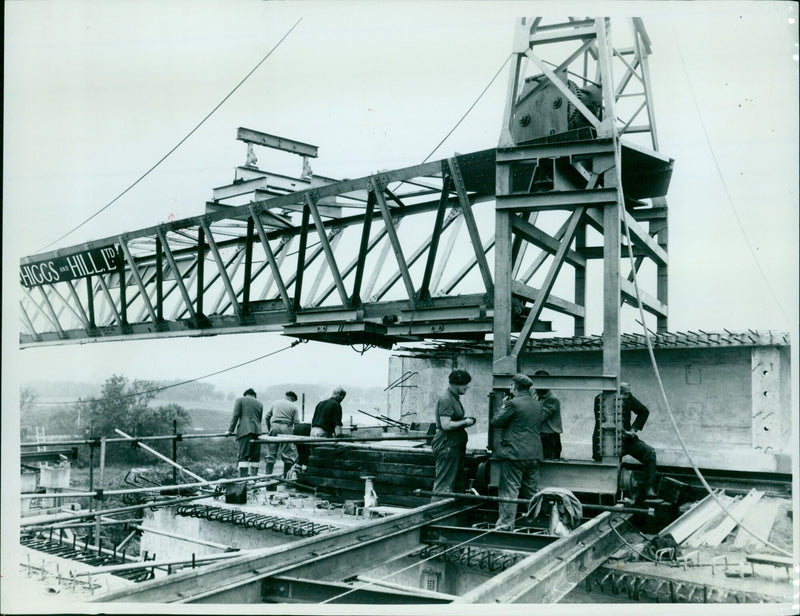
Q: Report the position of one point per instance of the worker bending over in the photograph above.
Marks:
(449, 444)
(281, 418)
(519, 449)
(327, 420)
(246, 421)
(632, 445)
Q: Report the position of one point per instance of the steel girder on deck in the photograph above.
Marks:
(331, 557)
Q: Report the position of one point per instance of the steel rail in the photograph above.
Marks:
(180, 486)
(521, 501)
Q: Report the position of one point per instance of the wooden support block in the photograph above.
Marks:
(408, 482)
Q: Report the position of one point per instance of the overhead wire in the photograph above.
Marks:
(199, 378)
(725, 185)
(654, 364)
(181, 142)
(471, 107)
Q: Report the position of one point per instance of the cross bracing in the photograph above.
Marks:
(491, 245)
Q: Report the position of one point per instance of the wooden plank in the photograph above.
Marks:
(713, 518)
(759, 520)
(717, 535)
(366, 467)
(387, 495)
(326, 453)
(392, 483)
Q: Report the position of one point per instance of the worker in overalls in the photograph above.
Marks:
(449, 444)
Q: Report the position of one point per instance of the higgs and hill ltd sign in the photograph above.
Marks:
(101, 260)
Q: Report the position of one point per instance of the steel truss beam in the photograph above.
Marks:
(217, 260)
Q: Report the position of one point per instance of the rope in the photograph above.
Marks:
(180, 143)
(502, 66)
(725, 186)
(661, 384)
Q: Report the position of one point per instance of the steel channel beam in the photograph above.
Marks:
(552, 572)
(239, 579)
(285, 589)
(594, 383)
(478, 537)
(557, 200)
(580, 476)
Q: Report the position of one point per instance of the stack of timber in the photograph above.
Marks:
(706, 524)
(396, 471)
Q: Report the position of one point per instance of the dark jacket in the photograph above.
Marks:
(630, 405)
(327, 415)
(246, 418)
(552, 410)
(520, 420)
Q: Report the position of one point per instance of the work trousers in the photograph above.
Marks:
(636, 448)
(249, 451)
(316, 431)
(449, 475)
(551, 445)
(286, 451)
(518, 479)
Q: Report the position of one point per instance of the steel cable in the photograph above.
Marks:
(654, 364)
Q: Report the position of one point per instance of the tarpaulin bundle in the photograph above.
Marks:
(570, 510)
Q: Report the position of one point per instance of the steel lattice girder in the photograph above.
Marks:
(247, 267)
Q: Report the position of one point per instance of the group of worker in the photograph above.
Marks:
(282, 418)
(530, 430)
(529, 425)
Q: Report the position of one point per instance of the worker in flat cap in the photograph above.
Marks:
(246, 420)
(449, 444)
(281, 418)
(519, 449)
(632, 445)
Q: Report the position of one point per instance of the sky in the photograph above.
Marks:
(96, 93)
